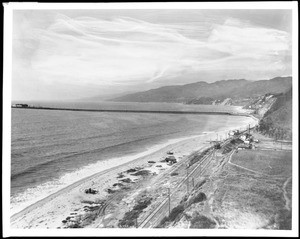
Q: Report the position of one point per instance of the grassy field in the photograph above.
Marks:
(265, 161)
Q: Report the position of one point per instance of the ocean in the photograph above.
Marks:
(52, 149)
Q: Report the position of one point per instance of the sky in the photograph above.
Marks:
(77, 54)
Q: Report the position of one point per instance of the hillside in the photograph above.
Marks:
(277, 122)
(196, 93)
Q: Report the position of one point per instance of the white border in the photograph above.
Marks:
(158, 5)
(8, 9)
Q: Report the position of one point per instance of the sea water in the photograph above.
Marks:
(52, 149)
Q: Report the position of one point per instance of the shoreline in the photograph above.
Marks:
(130, 159)
(184, 144)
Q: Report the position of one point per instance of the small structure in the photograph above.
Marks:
(171, 159)
(20, 105)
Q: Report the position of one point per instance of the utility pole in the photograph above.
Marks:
(193, 181)
(187, 179)
(169, 195)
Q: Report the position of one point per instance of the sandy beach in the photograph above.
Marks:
(71, 201)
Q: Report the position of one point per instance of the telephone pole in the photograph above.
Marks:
(169, 195)
(193, 181)
(187, 179)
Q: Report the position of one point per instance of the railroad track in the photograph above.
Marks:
(162, 209)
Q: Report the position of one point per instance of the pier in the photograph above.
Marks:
(134, 111)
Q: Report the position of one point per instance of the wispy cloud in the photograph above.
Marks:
(127, 51)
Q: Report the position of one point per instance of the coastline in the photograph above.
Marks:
(69, 198)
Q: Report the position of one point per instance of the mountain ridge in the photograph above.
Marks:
(220, 90)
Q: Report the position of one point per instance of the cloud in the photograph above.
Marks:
(125, 51)
(121, 50)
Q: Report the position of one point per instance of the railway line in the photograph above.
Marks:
(163, 209)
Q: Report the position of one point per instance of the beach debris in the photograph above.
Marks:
(126, 180)
(121, 175)
(118, 184)
(141, 173)
(170, 152)
(132, 170)
(151, 161)
(171, 159)
(159, 166)
(90, 191)
(111, 190)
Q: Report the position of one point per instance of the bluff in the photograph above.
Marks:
(277, 122)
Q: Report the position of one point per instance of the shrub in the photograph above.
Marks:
(118, 184)
(129, 219)
(199, 198)
(142, 204)
(175, 212)
(141, 173)
(200, 221)
(110, 190)
(132, 170)
(162, 222)
(126, 180)
(200, 183)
